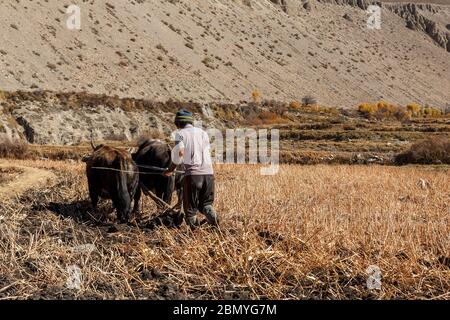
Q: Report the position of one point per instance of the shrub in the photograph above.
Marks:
(383, 110)
(446, 110)
(402, 114)
(268, 116)
(265, 117)
(128, 104)
(433, 150)
(13, 149)
(256, 95)
(414, 108)
(295, 105)
(276, 106)
(366, 109)
(208, 62)
(432, 112)
(309, 101)
(320, 109)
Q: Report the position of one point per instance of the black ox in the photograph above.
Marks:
(152, 157)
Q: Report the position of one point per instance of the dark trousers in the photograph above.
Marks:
(198, 195)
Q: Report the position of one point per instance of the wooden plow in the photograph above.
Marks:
(170, 216)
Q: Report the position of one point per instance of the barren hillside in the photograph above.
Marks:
(223, 50)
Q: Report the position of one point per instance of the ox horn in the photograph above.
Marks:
(92, 140)
(132, 150)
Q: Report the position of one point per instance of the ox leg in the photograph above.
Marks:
(179, 204)
(137, 199)
(94, 202)
(179, 189)
(170, 186)
(122, 204)
(122, 209)
(94, 198)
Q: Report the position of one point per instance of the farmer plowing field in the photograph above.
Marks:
(193, 150)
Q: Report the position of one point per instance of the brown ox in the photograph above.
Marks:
(112, 174)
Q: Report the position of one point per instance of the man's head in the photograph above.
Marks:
(183, 118)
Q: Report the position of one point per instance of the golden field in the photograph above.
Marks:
(309, 232)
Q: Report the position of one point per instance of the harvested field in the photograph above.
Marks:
(309, 232)
(8, 174)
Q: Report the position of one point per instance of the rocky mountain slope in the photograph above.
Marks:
(222, 50)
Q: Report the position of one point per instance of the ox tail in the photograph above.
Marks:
(123, 196)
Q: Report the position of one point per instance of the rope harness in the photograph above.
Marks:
(161, 170)
(160, 202)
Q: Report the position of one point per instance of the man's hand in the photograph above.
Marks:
(168, 173)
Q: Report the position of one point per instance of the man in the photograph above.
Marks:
(193, 149)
